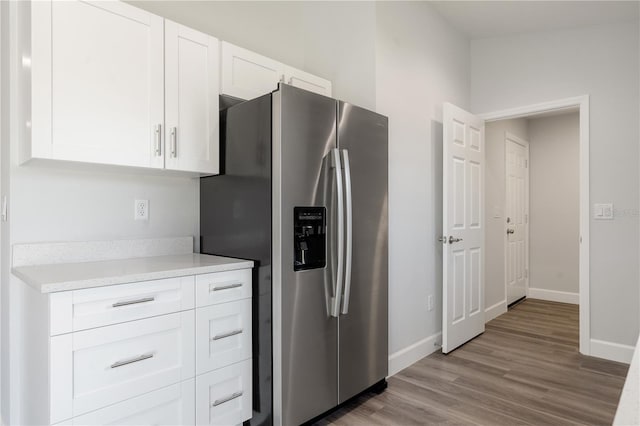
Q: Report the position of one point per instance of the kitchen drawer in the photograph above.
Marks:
(223, 397)
(223, 335)
(96, 368)
(96, 307)
(221, 287)
(173, 405)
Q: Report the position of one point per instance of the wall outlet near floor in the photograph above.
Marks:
(430, 302)
(141, 210)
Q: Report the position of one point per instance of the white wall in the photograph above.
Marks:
(494, 294)
(602, 62)
(4, 191)
(554, 188)
(421, 62)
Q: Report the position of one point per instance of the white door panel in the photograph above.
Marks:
(463, 225)
(516, 226)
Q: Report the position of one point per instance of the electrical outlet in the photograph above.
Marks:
(141, 211)
(430, 302)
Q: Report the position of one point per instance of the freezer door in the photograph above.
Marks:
(363, 323)
(305, 335)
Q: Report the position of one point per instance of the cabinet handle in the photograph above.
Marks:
(131, 360)
(227, 334)
(133, 302)
(226, 286)
(158, 140)
(290, 80)
(174, 142)
(227, 398)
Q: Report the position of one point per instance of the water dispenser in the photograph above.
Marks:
(309, 238)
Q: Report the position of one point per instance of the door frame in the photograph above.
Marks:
(582, 103)
(525, 144)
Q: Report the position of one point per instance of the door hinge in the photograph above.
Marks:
(526, 218)
(526, 273)
(526, 164)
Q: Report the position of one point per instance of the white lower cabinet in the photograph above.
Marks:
(170, 406)
(223, 396)
(111, 364)
(174, 351)
(223, 335)
(95, 307)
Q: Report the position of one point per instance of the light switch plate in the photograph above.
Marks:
(603, 211)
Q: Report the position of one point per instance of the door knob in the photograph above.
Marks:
(511, 231)
(454, 240)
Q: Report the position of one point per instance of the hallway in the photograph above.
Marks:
(525, 369)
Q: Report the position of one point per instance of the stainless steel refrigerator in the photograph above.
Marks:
(303, 192)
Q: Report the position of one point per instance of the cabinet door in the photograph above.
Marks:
(172, 405)
(221, 287)
(247, 75)
(96, 307)
(223, 396)
(223, 335)
(98, 72)
(191, 103)
(95, 368)
(306, 81)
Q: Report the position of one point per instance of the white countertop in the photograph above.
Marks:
(628, 412)
(74, 276)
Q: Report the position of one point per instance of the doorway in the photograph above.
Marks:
(502, 219)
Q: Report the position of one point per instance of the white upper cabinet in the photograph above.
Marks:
(191, 100)
(105, 82)
(246, 74)
(306, 81)
(97, 83)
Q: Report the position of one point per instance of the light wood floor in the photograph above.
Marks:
(524, 370)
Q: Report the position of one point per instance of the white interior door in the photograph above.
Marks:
(463, 227)
(517, 220)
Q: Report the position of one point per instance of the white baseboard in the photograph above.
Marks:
(411, 354)
(611, 351)
(495, 311)
(554, 296)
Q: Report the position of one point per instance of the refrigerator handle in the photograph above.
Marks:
(335, 301)
(349, 229)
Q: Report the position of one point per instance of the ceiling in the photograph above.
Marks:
(482, 19)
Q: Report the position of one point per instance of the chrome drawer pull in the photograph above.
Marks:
(228, 334)
(227, 287)
(131, 360)
(227, 398)
(133, 302)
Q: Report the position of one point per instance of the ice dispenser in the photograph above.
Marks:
(309, 238)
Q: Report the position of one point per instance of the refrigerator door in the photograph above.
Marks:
(305, 336)
(363, 324)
